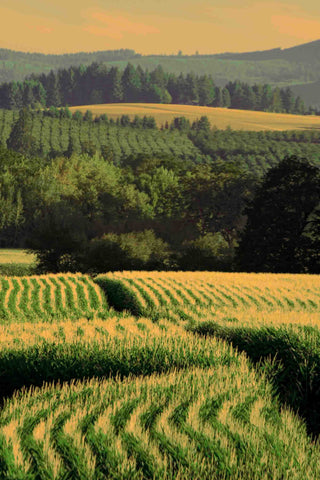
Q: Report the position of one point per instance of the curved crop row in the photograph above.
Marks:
(49, 296)
(39, 353)
(219, 423)
(147, 293)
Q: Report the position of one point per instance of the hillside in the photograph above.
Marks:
(306, 53)
(298, 65)
(310, 92)
(219, 117)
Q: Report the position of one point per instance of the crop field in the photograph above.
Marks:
(197, 294)
(48, 296)
(160, 375)
(54, 135)
(220, 117)
(15, 255)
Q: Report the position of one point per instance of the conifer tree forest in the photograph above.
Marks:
(97, 83)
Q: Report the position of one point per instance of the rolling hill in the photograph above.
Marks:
(219, 117)
(299, 65)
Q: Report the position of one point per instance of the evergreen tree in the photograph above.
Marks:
(218, 100)
(182, 93)
(237, 94)
(266, 100)
(288, 100)
(249, 101)
(158, 77)
(67, 81)
(276, 103)
(40, 94)
(131, 83)
(174, 88)
(191, 92)
(226, 99)
(53, 90)
(206, 90)
(258, 91)
(299, 106)
(20, 138)
(27, 96)
(114, 93)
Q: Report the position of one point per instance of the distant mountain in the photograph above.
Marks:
(310, 92)
(297, 67)
(15, 66)
(307, 53)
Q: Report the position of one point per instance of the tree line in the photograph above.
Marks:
(97, 83)
(84, 213)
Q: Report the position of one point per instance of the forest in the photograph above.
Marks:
(95, 195)
(298, 65)
(97, 83)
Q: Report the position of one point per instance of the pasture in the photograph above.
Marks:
(16, 255)
(219, 117)
(160, 375)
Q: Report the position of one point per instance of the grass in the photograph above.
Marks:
(16, 255)
(220, 117)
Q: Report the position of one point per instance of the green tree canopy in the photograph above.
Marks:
(283, 224)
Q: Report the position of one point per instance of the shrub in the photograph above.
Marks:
(208, 252)
(17, 269)
(127, 251)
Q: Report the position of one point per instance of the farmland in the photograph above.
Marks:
(48, 296)
(254, 150)
(53, 135)
(15, 255)
(160, 375)
(219, 117)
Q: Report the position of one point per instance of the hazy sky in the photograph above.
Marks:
(157, 26)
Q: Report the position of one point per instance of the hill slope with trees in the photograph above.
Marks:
(279, 67)
(98, 84)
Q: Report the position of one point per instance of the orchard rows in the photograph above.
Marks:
(54, 135)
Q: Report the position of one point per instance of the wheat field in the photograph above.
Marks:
(16, 255)
(219, 117)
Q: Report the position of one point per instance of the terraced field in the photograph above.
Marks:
(198, 375)
(49, 296)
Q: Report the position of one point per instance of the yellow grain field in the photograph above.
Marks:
(220, 117)
(16, 255)
(246, 299)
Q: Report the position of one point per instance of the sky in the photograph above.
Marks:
(157, 26)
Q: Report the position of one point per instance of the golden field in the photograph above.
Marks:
(219, 117)
(15, 255)
(202, 375)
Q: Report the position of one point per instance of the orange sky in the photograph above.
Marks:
(157, 26)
